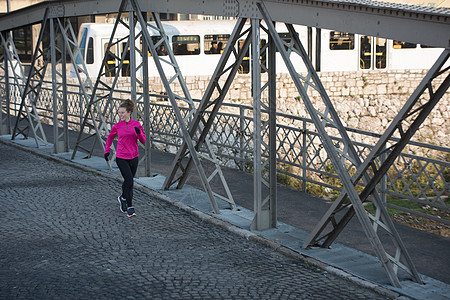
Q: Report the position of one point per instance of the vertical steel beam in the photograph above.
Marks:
(273, 221)
(265, 171)
(65, 105)
(146, 98)
(257, 133)
(5, 114)
(328, 118)
(132, 51)
(55, 96)
(59, 86)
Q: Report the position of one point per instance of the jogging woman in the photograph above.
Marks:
(129, 132)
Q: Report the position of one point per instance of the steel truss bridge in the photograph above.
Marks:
(196, 124)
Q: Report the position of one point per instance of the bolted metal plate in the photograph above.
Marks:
(231, 8)
(249, 9)
(56, 11)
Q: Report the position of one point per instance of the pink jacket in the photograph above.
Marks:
(127, 146)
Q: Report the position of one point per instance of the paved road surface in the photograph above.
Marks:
(62, 236)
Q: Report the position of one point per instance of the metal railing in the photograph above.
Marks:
(417, 180)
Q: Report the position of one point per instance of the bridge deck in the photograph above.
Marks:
(351, 256)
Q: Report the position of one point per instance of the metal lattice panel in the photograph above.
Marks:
(27, 116)
(327, 121)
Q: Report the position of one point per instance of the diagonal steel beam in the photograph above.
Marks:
(198, 125)
(171, 95)
(30, 93)
(94, 116)
(328, 118)
(408, 110)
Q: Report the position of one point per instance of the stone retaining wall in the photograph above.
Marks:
(364, 100)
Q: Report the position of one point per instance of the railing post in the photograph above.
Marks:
(383, 182)
(241, 136)
(304, 156)
(5, 115)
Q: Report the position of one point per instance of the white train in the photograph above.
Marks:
(197, 46)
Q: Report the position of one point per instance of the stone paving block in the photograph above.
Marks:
(63, 236)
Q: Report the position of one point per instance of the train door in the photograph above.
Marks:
(372, 54)
(111, 58)
(126, 60)
(244, 68)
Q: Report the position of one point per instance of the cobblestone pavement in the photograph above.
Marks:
(62, 236)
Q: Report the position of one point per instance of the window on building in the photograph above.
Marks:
(342, 40)
(186, 44)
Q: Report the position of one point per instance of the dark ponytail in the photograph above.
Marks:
(128, 105)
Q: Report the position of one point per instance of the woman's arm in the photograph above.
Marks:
(110, 139)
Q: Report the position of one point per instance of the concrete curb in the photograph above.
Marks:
(244, 233)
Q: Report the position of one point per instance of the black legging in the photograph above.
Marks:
(128, 169)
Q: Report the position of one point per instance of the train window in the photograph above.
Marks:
(22, 40)
(342, 40)
(186, 44)
(90, 52)
(126, 61)
(380, 53)
(403, 45)
(425, 46)
(286, 37)
(82, 45)
(263, 54)
(214, 44)
(244, 68)
(161, 49)
(110, 61)
(365, 58)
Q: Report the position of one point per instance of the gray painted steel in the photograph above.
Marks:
(430, 28)
(29, 92)
(406, 23)
(199, 125)
(329, 117)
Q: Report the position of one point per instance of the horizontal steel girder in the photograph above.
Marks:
(412, 25)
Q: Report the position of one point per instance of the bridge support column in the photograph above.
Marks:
(5, 113)
(326, 120)
(264, 132)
